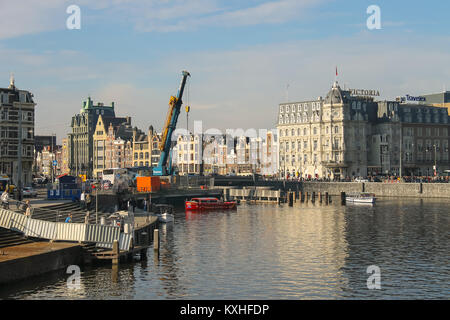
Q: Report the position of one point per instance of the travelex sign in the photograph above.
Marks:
(411, 98)
(363, 92)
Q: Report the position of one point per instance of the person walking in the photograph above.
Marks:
(88, 201)
(5, 199)
(28, 209)
(82, 200)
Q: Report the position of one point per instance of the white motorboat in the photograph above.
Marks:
(361, 197)
(166, 217)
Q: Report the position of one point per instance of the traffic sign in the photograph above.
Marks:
(55, 163)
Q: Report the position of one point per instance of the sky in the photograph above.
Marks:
(245, 57)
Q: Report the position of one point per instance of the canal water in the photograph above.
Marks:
(279, 252)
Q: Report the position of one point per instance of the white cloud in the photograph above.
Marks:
(242, 88)
(18, 18)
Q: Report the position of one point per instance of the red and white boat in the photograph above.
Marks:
(209, 204)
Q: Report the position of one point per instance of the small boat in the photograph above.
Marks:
(209, 204)
(361, 197)
(166, 217)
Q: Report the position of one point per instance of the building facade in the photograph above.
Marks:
(226, 155)
(80, 140)
(113, 141)
(16, 134)
(347, 135)
(146, 152)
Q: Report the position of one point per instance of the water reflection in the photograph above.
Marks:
(309, 251)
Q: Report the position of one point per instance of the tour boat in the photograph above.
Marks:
(208, 204)
(362, 197)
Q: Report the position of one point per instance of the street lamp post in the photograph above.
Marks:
(435, 167)
(401, 155)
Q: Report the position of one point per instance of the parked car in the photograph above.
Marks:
(29, 192)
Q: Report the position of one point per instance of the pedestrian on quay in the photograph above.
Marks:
(28, 209)
(5, 199)
(69, 218)
(83, 200)
(88, 201)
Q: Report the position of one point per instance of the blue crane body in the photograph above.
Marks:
(171, 122)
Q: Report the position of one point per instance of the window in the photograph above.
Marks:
(336, 129)
(336, 143)
(293, 132)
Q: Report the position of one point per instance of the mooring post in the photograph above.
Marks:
(116, 252)
(313, 197)
(326, 198)
(343, 198)
(156, 240)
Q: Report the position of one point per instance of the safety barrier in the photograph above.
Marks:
(103, 236)
(40, 229)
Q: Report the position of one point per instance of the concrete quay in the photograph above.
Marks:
(380, 189)
(32, 259)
